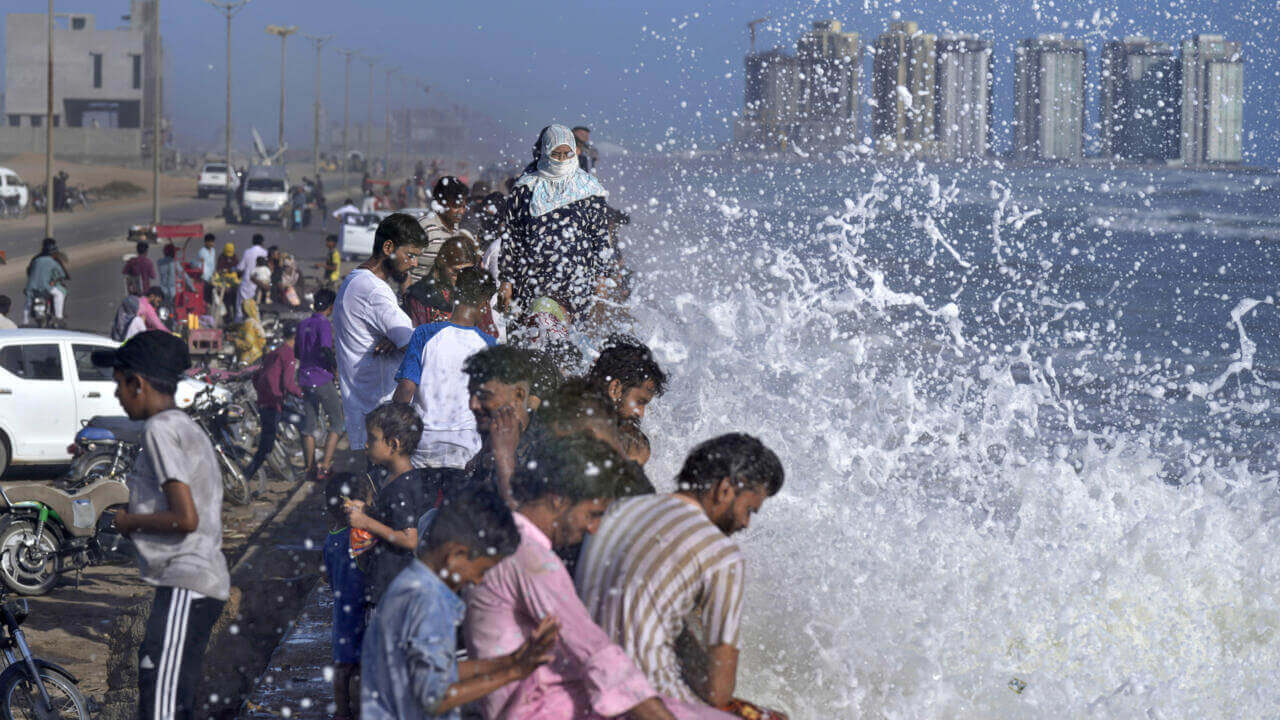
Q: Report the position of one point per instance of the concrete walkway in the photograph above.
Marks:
(297, 682)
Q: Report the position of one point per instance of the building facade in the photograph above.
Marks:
(1141, 104)
(1212, 127)
(1049, 98)
(962, 97)
(772, 98)
(104, 83)
(903, 85)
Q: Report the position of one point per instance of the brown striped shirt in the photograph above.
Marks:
(655, 561)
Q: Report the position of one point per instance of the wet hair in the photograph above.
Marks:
(475, 286)
(346, 485)
(323, 299)
(629, 361)
(547, 374)
(457, 250)
(398, 422)
(575, 406)
(398, 229)
(141, 247)
(578, 468)
(258, 239)
(738, 456)
(479, 520)
(449, 190)
(504, 363)
(567, 356)
(5, 304)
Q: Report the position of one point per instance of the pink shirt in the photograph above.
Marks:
(590, 676)
(150, 318)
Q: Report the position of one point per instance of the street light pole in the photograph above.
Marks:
(319, 41)
(157, 70)
(408, 124)
(368, 128)
(229, 9)
(284, 32)
(386, 149)
(48, 131)
(346, 116)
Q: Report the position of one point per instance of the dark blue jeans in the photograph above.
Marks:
(269, 418)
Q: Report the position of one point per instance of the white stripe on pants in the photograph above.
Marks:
(175, 637)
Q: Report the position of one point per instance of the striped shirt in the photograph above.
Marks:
(656, 561)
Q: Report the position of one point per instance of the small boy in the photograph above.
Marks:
(175, 521)
(392, 518)
(410, 665)
(635, 444)
(347, 582)
(5, 306)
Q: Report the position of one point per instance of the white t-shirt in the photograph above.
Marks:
(434, 361)
(247, 263)
(365, 312)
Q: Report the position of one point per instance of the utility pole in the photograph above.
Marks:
(228, 8)
(346, 116)
(407, 162)
(284, 32)
(319, 41)
(48, 130)
(386, 149)
(157, 142)
(368, 128)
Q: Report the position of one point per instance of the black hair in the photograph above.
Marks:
(323, 299)
(633, 437)
(449, 190)
(288, 329)
(261, 262)
(258, 239)
(398, 229)
(349, 201)
(575, 405)
(273, 249)
(154, 290)
(210, 236)
(474, 286)
(504, 363)
(738, 456)
(578, 468)
(329, 238)
(141, 247)
(48, 246)
(629, 361)
(546, 374)
(479, 520)
(5, 304)
(398, 422)
(583, 128)
(346, 485)
(160, 385)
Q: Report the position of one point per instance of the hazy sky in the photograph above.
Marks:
(638, 72)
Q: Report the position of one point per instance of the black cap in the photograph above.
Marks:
(153, 354)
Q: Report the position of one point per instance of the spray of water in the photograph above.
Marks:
(963, 533)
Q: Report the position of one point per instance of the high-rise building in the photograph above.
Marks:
(903, 87)
(829, 62)
(962, 99)
(1048, 118)
(1212, 100)
(1141, 107)
(772, 93)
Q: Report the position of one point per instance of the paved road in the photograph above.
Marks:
(79, 228)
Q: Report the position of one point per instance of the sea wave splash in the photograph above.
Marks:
(967, 530)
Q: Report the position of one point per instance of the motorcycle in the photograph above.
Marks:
(219, 419)
(31, 687)
(47, 530)
(42, 310)
(104, 447)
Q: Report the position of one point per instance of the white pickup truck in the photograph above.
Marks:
(355, 235)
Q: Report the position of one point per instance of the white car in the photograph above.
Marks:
(213, 179)
(49, 388)
(12, 190)
(355, 236)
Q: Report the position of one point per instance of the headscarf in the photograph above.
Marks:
(557, 183)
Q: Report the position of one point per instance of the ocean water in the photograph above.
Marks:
(1029, 419)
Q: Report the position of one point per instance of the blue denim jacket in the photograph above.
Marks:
(409, 648)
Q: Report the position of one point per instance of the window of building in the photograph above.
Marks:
(137, 71)
(37, 120)
(15, 121)
(79, 22)
(97, 69)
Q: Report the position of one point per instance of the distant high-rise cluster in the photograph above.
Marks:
(931, 96)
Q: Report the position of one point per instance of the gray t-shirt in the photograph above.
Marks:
(175, 448)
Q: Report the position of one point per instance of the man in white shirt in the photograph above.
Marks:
(347, 207)
(432, 380)
(370, 331)
(247, 263)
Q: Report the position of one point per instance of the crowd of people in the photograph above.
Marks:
(498, 551)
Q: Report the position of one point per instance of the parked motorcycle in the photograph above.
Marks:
(48, 530)
(104, 447)
(219, 419)
(31, 687)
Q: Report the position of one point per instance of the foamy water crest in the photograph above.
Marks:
(948, 535)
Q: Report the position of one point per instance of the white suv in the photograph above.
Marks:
(49, 388)
(214, 178)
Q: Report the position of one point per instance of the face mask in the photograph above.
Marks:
(561, 168)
